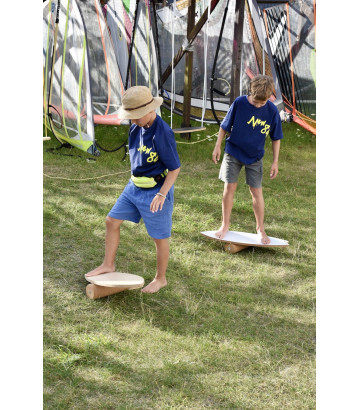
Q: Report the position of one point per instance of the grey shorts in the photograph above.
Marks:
(230, 169)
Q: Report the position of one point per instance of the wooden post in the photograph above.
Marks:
(195, 31)
(189, 56)
(237, 48)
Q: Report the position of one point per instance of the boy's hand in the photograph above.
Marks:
(274, 170)
(157, 203)
(216, 154)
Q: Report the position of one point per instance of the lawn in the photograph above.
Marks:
(234, 331)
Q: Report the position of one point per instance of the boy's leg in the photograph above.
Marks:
(162, 259)
(259, 211)
(254, 174)
(158, 225)
(229, 173)
(123, 209)
(227, 205)
(112, 239)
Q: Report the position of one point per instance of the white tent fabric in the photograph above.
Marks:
(254, 40)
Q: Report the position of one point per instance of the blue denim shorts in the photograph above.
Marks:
(134, 204)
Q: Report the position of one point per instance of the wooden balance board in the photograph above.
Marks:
(110, 283)
(237, 241)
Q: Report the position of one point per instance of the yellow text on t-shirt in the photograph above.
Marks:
(258, 121)
(153, 156)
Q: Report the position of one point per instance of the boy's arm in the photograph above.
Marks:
(158, 201)
(274, 167)
(217, 150)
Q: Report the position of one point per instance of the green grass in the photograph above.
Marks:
(230, 331)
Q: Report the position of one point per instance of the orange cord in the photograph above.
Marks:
(296, 112)
(266, 24)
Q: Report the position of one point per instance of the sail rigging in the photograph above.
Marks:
(291, 32)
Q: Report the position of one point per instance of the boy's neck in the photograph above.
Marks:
(151, 121)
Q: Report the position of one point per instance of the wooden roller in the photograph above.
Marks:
(110, 283)
(233, 248)
(96, 291)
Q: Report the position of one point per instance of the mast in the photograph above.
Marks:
(237, 49)
(189, 56)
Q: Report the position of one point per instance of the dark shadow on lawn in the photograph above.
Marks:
(123, 381)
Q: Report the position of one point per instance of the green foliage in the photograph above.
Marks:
(230, 331)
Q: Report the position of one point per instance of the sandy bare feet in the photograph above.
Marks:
(154, 286)
(263, 237)
(101, 269)
(222, 232)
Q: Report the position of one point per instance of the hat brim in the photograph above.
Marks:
(124, 114)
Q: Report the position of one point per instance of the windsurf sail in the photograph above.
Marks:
(66, 94)
(133, 39)
(106, 83)
(82, 82)
(291, 32)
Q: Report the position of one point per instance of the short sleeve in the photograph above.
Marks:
(276, 128)
(228, 122)
(166, 148)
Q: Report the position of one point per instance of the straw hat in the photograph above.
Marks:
(136, 102)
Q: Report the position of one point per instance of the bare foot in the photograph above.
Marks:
(101, 269)
(263, 237)
(222, 232)
(154, 286)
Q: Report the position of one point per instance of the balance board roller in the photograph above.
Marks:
(110, 283)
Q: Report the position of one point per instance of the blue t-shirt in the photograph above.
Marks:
(153, 149)
(248, 127)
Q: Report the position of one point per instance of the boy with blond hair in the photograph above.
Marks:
(250, 119)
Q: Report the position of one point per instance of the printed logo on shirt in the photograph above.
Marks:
(259, 122)
(152, 156)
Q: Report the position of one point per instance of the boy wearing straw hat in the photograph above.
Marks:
(149, 194)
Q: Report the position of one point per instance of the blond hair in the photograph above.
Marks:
(261, 87)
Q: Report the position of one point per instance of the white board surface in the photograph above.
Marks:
(117, 280)
(246, 238)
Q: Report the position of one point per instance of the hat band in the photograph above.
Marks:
(140, 106)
